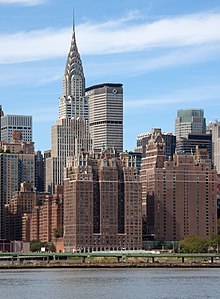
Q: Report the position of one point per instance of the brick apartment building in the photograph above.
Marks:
(46, 218)
(32, 215)
(179, 197)
(102, 204)
(16, 166)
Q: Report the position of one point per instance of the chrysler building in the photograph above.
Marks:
(70, 134)
(73, 102)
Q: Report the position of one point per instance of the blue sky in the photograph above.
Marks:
(165, 52)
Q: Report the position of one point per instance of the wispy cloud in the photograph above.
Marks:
(35, 74)
(189, 30)
(131, 66)
(191, 37)
(182, 96)
(46, 114)
(126, 66)
(33, 45)
(23, 2)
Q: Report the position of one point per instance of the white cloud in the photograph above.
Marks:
(34, 45)
(22, 2)
(130, 66)
(197, 31)
(182, 31)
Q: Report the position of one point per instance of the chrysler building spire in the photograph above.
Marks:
(70, 134)
(73, 103)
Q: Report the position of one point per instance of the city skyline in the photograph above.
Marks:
(166, 57)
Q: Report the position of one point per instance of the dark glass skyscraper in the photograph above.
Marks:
(189, 121)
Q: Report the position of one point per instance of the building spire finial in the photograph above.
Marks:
(73, 20)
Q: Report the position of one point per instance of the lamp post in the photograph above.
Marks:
(173, 246)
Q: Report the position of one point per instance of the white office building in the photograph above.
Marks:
(21, 123)
(214, 129)
(106, 115)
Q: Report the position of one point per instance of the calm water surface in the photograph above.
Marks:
(110, 283)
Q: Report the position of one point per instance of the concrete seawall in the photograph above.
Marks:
(108, 265)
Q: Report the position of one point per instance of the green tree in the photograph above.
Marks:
(57, 232)
(214, 242)
(50, 247)
(218, 226)
(36, 245)
(194, 244)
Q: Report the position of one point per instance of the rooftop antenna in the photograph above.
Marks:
(73, 20)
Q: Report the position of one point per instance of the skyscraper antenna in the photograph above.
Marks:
(73, 20)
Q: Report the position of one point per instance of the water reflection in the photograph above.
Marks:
(110, 283)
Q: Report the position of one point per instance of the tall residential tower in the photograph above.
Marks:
(102, 204)
(16, 166)
(179, 197)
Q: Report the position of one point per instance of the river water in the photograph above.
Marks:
(110, 283)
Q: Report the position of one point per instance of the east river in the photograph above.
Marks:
(110, 283)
